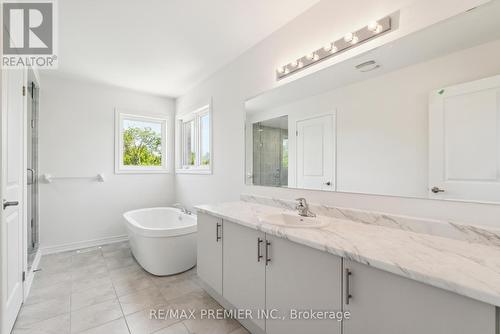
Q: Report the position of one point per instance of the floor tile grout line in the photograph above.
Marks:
(154, 285)
(103, 324)
(175, 323)
(142, 310)
(70, 299)
(107, 322)
(37, 322)
(118, 300)
(71, 295)
(166, 300)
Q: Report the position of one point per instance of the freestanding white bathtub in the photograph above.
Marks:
(163, 240)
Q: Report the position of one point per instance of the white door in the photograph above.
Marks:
(316, 153)
(12, 175)
(464, 130)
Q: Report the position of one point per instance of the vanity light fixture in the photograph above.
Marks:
(371, 30)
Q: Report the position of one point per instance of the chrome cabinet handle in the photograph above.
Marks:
(436, 190)
(7, 204)
(217, 234)
(259, 255)
(268, 258)
(348, 295)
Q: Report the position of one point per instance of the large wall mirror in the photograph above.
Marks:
(423, 123)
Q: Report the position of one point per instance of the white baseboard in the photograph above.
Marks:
(82, 244)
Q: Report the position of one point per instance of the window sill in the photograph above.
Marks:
(194, 171)
(142, 171)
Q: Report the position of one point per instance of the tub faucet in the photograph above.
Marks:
(303, 208)
(182, 208)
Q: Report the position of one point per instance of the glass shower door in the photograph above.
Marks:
(32, 166)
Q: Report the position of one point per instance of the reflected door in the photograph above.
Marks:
(316, 153)
(464, 161)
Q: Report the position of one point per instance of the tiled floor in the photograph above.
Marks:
(104, 291)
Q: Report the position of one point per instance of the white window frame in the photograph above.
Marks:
(120, 168)
(195, 116)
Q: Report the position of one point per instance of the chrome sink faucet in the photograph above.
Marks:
(303, 208)
(182, 208)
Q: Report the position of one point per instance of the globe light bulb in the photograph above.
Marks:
(372, 26)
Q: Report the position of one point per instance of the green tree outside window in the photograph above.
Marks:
(141, 147)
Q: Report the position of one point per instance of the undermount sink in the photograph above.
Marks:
(294, 220)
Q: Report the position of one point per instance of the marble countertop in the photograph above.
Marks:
(466, 268)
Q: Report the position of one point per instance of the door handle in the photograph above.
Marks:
(436, 190)
(328, 183)
(7, 204)
(268, 258)
(217, 234)
(348, 295)
(32, 180)
(259, 255)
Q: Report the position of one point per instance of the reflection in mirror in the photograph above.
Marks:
(423, 121)
(270, 152)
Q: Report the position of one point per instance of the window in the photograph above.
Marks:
(195, 142)
(141, 145)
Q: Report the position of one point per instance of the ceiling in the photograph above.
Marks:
(163, 47)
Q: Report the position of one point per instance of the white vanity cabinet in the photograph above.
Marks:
(244, 269)
(265, 272)
(301, 278)
(210, 251)
(384, 303)
(251, 270)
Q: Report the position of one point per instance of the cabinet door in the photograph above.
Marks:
(301, 278)
(384, 303)
(244, 269)
(210, 251)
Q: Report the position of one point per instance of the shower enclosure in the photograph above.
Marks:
(270, 152)
(32, 100)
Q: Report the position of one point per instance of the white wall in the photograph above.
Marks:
(253, 73)
(77, 139)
